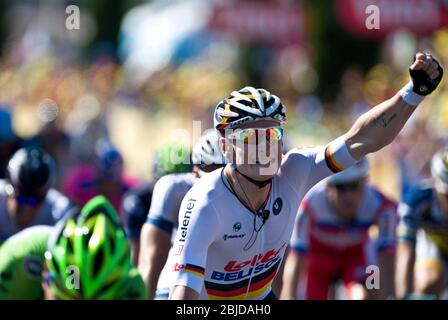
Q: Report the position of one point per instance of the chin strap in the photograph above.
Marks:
(259, 184)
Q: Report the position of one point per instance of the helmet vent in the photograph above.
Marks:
(111, 244)
(98, 262)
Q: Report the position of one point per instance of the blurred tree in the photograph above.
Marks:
(335, 50)
(3, 26)
(108, 15)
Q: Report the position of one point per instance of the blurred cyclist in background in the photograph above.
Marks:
(85, 256)
(104, 177)
(422, 260)
(9, 141)
(136, 202)
(26, 196)
(331, 239)
(162, 220)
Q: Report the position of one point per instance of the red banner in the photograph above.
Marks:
(266, 22)
(422, 17)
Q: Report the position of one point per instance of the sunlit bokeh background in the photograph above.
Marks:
(138, 71)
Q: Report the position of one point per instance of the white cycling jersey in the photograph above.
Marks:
(224, 251)
(55, 206)
(166, 199)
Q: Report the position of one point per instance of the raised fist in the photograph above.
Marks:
(426, 74)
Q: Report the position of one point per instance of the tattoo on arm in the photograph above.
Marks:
(382, 120)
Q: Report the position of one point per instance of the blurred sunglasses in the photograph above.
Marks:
(352, 186)
(252, 135)
(28, 201)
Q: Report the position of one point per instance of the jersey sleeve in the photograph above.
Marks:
(307, 166)
(300, 236)
(407, 229)
(198, 229)
(414, 203)
(164, 204)
(21, 263)
(135, 213)
(387, 227)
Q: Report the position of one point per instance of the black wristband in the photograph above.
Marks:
(423, 84)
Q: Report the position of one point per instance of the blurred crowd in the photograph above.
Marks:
(67, 107)
(103, 129)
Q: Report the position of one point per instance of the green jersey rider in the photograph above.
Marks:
(85, 256)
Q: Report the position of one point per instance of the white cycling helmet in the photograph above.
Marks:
(355, 172)
(247, 105)
(207, 151)
(439, 170)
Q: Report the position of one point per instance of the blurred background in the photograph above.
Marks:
(136, 71)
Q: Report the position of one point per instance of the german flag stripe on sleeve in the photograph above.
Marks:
(196, 270)
(332, 164)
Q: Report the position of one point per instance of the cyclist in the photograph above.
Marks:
(105, 176)
(331, 239)
(26, 196)
(85, 256)
(137, 201)
(422, 256)
(163, 214)
(235, 223)
(9, 141)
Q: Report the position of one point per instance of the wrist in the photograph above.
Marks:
(409, 96)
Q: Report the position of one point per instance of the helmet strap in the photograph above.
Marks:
(259, 184)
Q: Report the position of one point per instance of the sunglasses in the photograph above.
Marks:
(28, 201)
(352, 186)
(252, 135)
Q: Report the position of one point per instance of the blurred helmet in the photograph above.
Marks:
(247, 105)
(90, 251)
(6, 130)
(171, 158)
(358, 171)
(108, 159)
(31, 172)
(207, 151)
(439, 170)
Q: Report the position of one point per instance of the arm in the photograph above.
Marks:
(299, 245)
(379, 126)
(386, 261)
(155, 244)
(135, 249)
(134, 209)
(183, 293)
(407, 234)
(386, 245)
(293, 269)
(404, 272)
(155, 238)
